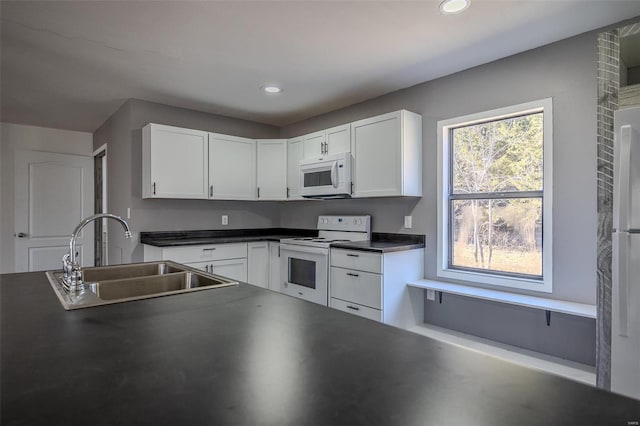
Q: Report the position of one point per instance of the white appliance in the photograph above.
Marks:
(304, 262)
(625, 334)
(328, 176)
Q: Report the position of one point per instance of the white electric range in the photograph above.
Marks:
(304, 262)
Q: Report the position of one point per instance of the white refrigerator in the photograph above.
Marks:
(625, 321)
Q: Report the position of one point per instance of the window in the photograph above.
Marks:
(494, 197)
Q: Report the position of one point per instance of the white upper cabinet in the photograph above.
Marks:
(327, 142)
(338, 139)
(271, 159)
(294, 155)
(314, 144)
(387, 155)
(174, 162)
(185, 163)
(232, 167)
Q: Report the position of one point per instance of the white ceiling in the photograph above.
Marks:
(71, 64)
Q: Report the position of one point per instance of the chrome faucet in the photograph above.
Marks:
(72, 278)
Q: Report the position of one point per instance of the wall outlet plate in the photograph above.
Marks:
(431, 294)
(225, 219)
(408, 222)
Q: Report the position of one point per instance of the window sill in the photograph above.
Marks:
(560, 306)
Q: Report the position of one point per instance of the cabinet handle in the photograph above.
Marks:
(258, 192)
(351, 187)
(352, 275)
(278, 251)
(206, 267)
(288, 191)
(210, 190)
(209, 249)
(355, 308)
(154, 188)
(353, 255)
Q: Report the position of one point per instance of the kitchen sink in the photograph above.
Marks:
(122, 283)
(103, 273)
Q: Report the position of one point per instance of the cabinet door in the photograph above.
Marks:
(271, 160)
(232, 167)
(314, 144)
(174, 162)
(339, 139)
(294, 155)
(203, 266)
(274, 266)
(235, 269)
(258, 264)
(376, 156)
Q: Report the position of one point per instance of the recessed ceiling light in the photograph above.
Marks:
(448, 7)
(271, 89)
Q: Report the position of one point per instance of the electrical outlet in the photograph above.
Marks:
(225, 219)
(431, 294)
(407, 222)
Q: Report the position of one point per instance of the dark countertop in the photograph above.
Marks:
(380, 242)
(245, 355)
(385, 243)
(186, 238)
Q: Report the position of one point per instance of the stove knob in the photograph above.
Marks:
(355, 221)
(359, 221)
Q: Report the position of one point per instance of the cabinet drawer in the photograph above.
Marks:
(354, 259)
(355, 309)
(202, 253)
(360, 287)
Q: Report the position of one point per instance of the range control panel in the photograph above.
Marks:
(345, 223)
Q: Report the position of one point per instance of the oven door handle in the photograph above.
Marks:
(334, 174)
(286, 249)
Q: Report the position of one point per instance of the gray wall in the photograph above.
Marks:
(123, 135)
(564, 71)
(569, 337)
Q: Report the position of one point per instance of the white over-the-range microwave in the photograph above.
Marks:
(328, 176)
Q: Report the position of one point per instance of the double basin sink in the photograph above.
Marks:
(123, 283)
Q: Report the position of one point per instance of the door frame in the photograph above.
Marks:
(100, 206)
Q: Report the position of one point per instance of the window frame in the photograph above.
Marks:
(471, 277)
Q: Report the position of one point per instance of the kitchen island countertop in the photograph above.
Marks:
(245, 355)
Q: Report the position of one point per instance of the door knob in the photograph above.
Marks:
(21, 235)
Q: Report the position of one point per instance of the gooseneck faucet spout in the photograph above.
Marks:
(72, 279)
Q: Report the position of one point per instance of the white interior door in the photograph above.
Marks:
(53, 193)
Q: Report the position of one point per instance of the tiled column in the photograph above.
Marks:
(608, 87)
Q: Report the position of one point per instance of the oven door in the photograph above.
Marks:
(304, 272)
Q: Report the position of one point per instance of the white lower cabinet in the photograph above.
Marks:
(227, 260)
(235, 269)
(356, 309)
(258, 263)
(374, 285)
(274, 266)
